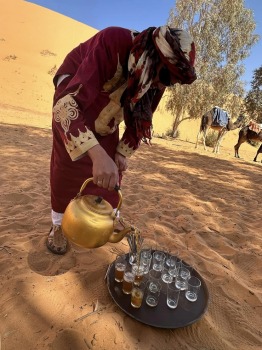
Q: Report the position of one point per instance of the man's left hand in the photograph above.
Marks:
(121, 162)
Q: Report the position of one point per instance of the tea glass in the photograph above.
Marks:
(137, 295)
(146, 263)
(173, 269)
(172, 295)
(154, 280)
(120, 266)
(171, 258)
(158, 260)
(134, 252)
(128, 281)
(193, 288)
(146, 251)
(166, 276)
(133, 258)
(182, 278)
(138, 271)
(152, 296)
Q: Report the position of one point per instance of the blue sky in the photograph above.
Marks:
(140, 14)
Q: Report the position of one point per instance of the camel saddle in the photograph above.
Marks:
(255, 127)
(220, 117)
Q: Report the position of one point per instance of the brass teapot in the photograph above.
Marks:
(89, 221)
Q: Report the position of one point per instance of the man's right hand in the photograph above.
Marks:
(105, 171)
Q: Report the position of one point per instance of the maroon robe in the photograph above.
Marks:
(87, 111)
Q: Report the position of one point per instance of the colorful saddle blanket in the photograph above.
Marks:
(255, 126)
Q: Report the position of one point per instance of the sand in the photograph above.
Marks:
(204, 205)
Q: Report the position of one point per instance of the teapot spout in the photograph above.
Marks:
(118, 235)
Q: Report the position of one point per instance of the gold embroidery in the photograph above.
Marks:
(66, 109)
(78, 145)
(112, 110)
(124, 149)
(117, 80)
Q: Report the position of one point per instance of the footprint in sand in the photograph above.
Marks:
(41, 261)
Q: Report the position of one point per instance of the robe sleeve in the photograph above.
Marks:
(100, 58)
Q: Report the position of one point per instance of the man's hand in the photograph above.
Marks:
(105, 170)
(121, 162)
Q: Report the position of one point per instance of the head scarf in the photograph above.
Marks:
(176, 50)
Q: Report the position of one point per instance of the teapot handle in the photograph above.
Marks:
(117, 188)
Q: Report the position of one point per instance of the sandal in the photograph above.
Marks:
(56, 241)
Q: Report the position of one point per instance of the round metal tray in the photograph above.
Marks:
(160, 316)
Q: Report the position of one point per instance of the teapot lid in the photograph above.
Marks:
(97, 204)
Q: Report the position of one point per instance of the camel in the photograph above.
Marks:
(208, 123)
(245, 134)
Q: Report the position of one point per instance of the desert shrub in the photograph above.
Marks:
(52, 71)
(10, 57)
(47, 53)
(170, 133)
(211, 138)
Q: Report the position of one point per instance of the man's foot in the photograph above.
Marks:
(56, 241)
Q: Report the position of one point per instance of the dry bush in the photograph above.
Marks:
(53, 70)
(47, 53)
(10, 57)
(211, 138)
